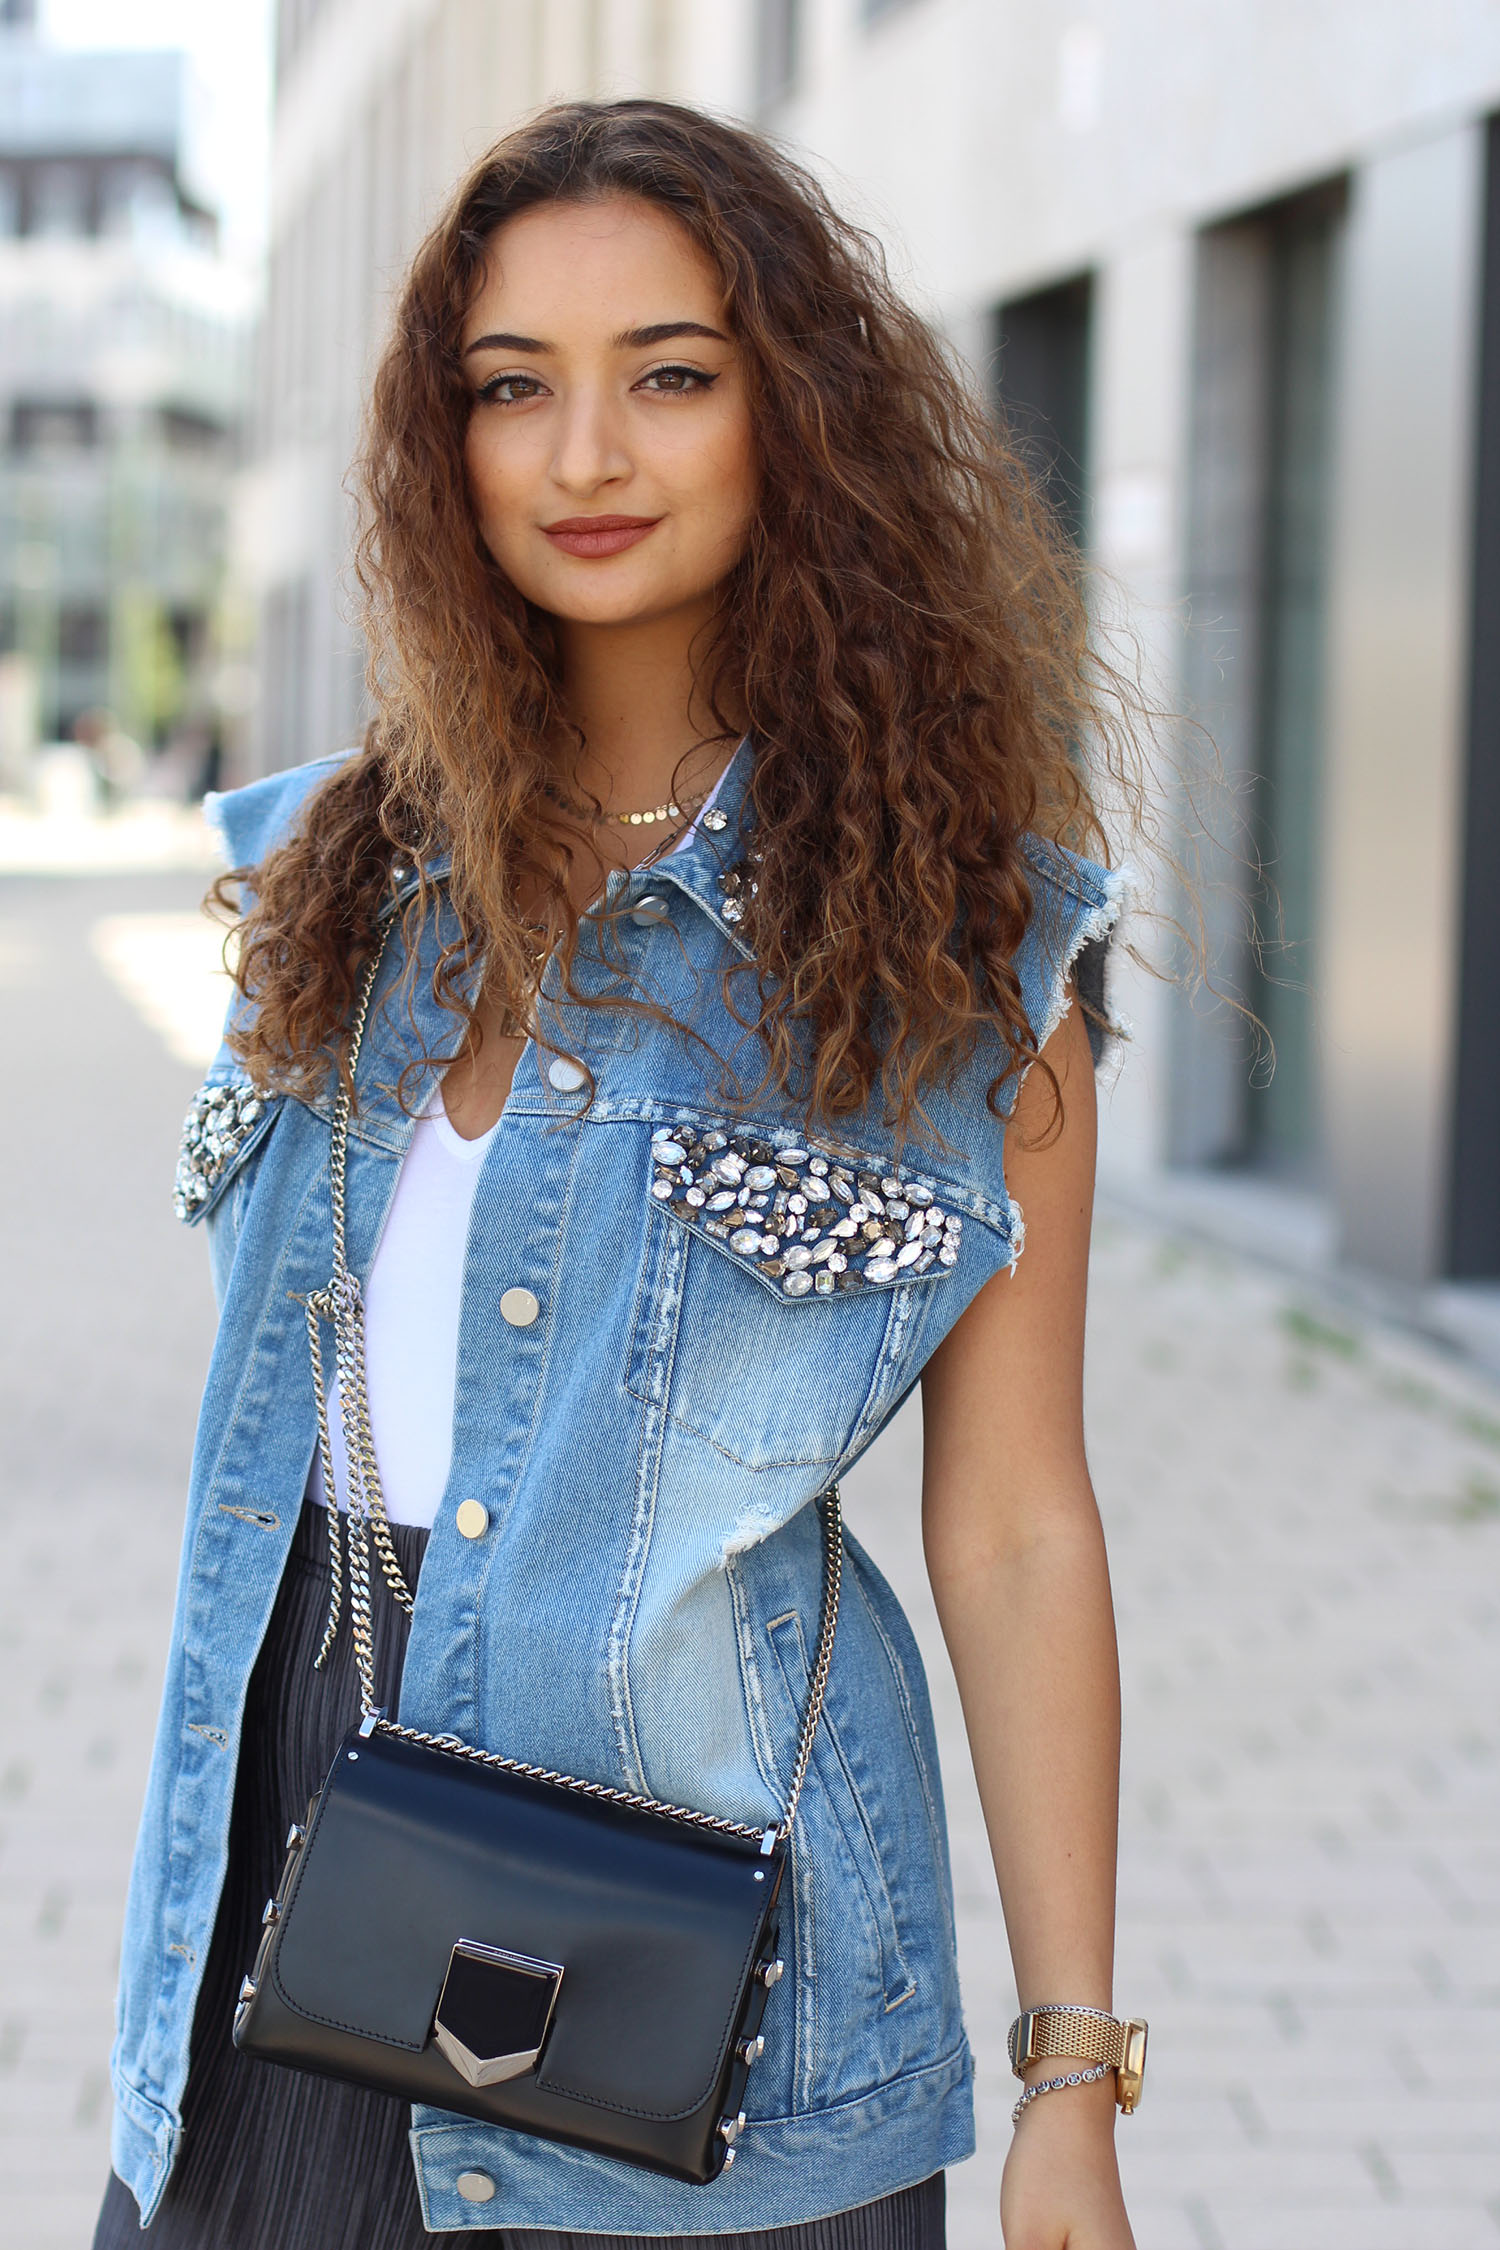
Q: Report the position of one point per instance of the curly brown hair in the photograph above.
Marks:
(905, 634)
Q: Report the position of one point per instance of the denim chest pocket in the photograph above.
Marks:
(783, 1287)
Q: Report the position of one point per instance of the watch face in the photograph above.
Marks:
(1131, 2073)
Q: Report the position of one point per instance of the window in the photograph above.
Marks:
(82, 633)
(135, 196)
(61, 199)
(1042, 389)
(52, 425)
(187, 431)
(1261, 456)
(189, 631)
(1474, 1187)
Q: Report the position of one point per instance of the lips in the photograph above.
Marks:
(599, 535)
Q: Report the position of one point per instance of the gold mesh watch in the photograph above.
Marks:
(1039, 2034)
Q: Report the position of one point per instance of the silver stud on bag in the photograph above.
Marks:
(216, 1128)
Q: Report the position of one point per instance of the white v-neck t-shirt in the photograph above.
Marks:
(413, 1299)
(412, 1303)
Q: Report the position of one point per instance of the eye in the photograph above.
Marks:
(510, 390)
(676, 382)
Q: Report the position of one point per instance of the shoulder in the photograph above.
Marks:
(1069, 884)
(1076, 904)
(251, 822)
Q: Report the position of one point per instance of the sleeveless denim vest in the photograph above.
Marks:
(641, 1606)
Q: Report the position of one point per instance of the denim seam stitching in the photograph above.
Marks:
(828, 1733)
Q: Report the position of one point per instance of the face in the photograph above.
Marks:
(609, 453)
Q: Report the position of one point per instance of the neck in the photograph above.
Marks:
(631, 691)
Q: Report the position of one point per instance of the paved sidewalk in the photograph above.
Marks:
(1304, 1529)
(1304, 1522)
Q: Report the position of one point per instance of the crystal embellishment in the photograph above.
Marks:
(216, 1128)
(804, 1218)
(739, 886)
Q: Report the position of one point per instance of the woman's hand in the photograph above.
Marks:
(1061, 2187)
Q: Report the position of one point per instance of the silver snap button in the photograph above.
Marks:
(648, 910)
(565, 1074)
(475, 2187)
(472, 1518)
(519, 1307)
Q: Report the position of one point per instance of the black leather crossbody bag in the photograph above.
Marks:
(463, 1929)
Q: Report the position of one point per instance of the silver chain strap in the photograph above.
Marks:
(341, 1304)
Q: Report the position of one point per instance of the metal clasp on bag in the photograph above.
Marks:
(495, 2011)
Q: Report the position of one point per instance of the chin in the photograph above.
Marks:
(579, 610)
(606, 605)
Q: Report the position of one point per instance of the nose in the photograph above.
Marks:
(590, 443)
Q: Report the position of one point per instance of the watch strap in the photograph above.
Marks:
(1089, 2034)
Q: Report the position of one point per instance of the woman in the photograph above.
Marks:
(721, 793)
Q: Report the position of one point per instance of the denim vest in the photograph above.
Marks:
(641, 1606)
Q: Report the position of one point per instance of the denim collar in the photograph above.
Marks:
(697, 868)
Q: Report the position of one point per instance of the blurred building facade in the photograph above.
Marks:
(123, 373)
(1234, 274)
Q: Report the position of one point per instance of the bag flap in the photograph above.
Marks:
(655, 1925)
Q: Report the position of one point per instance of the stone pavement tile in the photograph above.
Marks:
(36, 2222)
(1471, 2174)
(1162, 2226)
(1399, 1878)
(1441, 2225)
(1271, 2177)
(1438, 2123)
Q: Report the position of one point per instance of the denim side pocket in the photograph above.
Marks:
(845, 1834)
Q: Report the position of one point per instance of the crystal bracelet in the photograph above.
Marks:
(1055, 2086)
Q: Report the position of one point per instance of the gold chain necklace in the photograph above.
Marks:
(674, 809)
(517, 1024)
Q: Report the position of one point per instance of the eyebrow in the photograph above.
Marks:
(629, 339)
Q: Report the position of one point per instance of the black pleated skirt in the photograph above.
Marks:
(275, 2159)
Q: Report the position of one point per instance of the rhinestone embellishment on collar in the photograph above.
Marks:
(216, 1128)
(738, 884)
(810, 1221)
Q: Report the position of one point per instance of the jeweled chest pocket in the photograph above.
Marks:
(226, 1119)
(805, 1221)
(782, 1300)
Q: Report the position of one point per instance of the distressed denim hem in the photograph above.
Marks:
(143, 2140)
(789, 2170)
